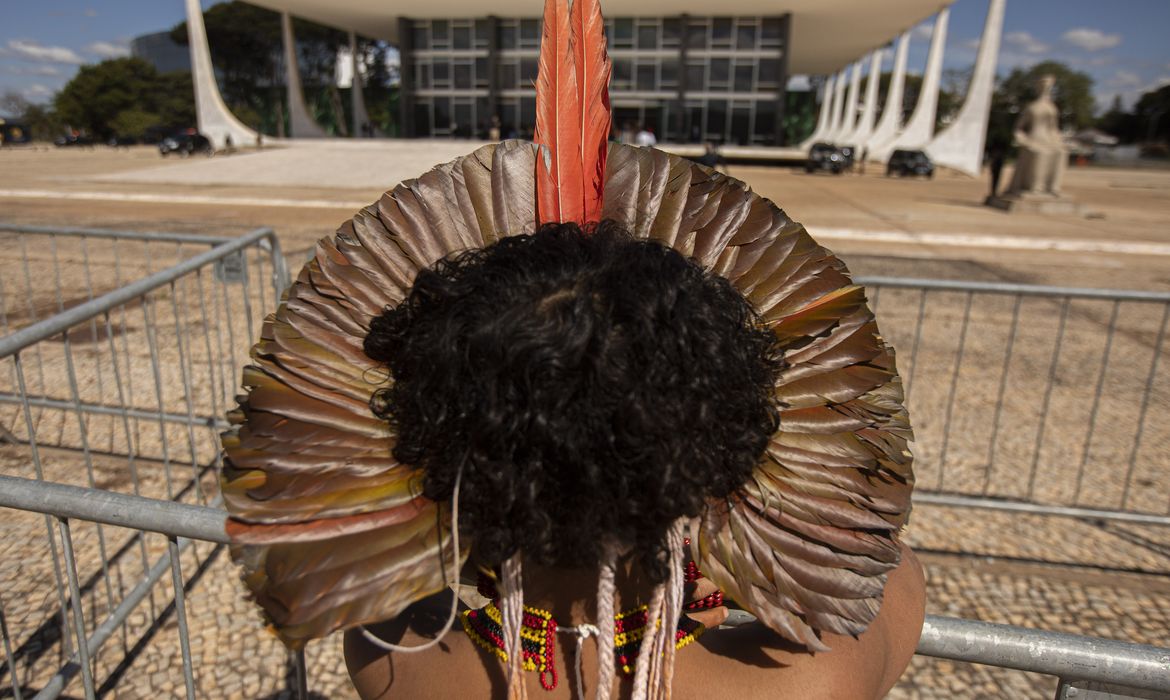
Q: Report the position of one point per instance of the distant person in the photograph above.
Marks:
(996, 155)
(228, 146)
(712, 158)
(645, 137)
(864, 157)
(494, 129)
(626, 135)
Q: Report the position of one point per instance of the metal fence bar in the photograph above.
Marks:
(104, 410)
(181, 615)
(82, 312)
(1052, 365)
(1097, 391)
(136, 512)
(1034, 290)
(1142, 412)
(942, 456)
(166, 236)
(9, 656)
(75, 597)
(1064, 655)
(1052, 653)
(56, 685)
(37, 468)
(914, 347)
(960, 501)
(993, 441)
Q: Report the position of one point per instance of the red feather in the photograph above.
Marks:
(572, 112)
(559, 188)
(593, 71)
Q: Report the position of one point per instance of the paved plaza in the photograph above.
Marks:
(1095, 578)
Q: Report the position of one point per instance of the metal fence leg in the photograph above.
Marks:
(78, 617)
(1047, 397)
(1096, 401)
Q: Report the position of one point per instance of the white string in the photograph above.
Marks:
(582, 632)
(388, 646)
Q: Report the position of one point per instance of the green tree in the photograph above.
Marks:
(123, 92)
(41, 120)
(1120, 123)
(1152, 115)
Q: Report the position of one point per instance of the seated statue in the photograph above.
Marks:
(1042, 155)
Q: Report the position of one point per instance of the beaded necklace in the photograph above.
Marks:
(538, 630)
(538, 633)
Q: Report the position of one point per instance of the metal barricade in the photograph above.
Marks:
(121, 354)
(1034, 399)
(1073, 659)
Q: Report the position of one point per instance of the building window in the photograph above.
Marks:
(420, 36)
(745, 35)
(483, 31)
(648, 35)
(696, 76)
(623, 33)
(721, 33)
(509, 35)
(668, 74)
(719, 74)
(462, 75)
(744, 73)
(482, 78)
(440, 35)
(623, 74)
(768, 73)
(770, 35)
(697, 34)
(461, 37)
(671, 32)
(441, 74)
(646, 76)
(529, 33)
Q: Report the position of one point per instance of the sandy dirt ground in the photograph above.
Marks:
(1062, 403)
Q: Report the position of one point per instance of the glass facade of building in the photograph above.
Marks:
(687, 78)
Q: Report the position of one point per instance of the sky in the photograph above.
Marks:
(1121, 44)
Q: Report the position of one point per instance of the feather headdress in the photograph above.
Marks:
(332, 531)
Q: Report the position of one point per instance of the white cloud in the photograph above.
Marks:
(972, 44)
(923, 31)
(90, 12)
(44, 69)
(1124, 78)
(107, 49)
(37, 52)
(1091, 39)
(37, 92)
(1025, 42)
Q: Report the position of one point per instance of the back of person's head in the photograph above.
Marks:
(591, 389)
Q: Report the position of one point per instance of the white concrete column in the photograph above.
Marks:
(960, 144)
(214, 119)
(920, 128)
(891, 120)
(838, 109)
(849, 122)
(300, 124)
(869, 109)
(357, 99)
(823, 118)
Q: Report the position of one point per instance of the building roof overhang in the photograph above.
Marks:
(826, 34)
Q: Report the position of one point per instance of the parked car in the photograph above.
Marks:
(185, 143)
(74, 139)
(904, 162)
(826, 156)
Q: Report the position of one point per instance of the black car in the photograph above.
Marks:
(185, 143)
(826, 156)
(904, 162)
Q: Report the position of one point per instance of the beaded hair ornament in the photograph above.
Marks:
(328, 527)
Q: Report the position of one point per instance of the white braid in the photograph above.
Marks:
(605, 613)
(512, 617)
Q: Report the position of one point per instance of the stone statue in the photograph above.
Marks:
(1042, 155)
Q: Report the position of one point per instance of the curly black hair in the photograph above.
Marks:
(592, 387)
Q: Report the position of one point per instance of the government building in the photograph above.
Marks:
(689, 71)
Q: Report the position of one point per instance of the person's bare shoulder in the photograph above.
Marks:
(751, 661)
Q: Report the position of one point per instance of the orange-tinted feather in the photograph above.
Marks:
(593, 71)
(559, 189)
